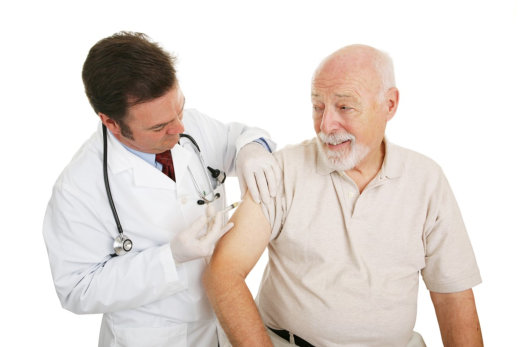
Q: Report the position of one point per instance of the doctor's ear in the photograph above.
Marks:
(110, 124)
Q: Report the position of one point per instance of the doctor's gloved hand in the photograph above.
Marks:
(198, 241)
(258, 171)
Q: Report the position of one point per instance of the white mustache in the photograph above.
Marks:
(336, 138)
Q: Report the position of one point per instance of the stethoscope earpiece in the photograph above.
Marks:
(202, 202)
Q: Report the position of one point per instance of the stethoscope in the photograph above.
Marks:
(122, 244)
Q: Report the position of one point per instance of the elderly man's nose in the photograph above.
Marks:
(329, 122)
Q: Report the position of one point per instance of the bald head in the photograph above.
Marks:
(360, 62)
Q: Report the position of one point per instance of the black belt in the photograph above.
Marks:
(298, 341)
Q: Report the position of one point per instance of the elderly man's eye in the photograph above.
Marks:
(345, 108)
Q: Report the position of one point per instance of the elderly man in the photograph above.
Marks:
(358, 220)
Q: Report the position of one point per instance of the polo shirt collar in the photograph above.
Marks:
(393, 163)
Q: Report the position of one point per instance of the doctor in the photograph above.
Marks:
(152, 294)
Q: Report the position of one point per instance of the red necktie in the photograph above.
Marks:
(165, 158)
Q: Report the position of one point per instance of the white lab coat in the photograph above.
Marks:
(146, 298)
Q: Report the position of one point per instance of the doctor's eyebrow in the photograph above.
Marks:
(160, 125)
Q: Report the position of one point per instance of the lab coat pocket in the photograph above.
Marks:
(171, 336)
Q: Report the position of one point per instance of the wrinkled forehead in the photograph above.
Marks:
(345, 77)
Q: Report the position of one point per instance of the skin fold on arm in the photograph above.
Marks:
(234, 257)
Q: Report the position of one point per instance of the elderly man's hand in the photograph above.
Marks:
(259, 172)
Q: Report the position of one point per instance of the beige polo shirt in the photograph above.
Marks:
(343, 267)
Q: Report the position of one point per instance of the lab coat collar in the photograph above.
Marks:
(144, 174)
(392, 163)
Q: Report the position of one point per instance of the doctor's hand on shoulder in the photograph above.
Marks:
(259, 172)
(198, 240)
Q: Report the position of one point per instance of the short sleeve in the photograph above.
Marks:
(450, 264)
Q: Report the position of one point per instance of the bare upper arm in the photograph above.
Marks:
(455, 310)
(241, 247)
(458, 319)
(449, 299)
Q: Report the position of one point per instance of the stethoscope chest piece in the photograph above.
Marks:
(122, 244)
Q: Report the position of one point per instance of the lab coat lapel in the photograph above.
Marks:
(144, 174)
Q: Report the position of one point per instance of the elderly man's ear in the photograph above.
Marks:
(392, 101)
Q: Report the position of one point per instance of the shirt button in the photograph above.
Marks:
(184, 199)
(351, 195)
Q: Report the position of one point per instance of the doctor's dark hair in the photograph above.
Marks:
(126, 69)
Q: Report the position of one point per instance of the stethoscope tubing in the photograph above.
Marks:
(123, 244)
(107, 184)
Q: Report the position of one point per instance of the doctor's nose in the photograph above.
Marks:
(175, 128)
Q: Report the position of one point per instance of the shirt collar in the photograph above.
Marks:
(147, 157)
(393, 164)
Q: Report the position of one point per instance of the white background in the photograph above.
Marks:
(457, 69)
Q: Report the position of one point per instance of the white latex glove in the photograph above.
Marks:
(259, 171)
(194, 242)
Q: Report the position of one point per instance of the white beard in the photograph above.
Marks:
(345, 159)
